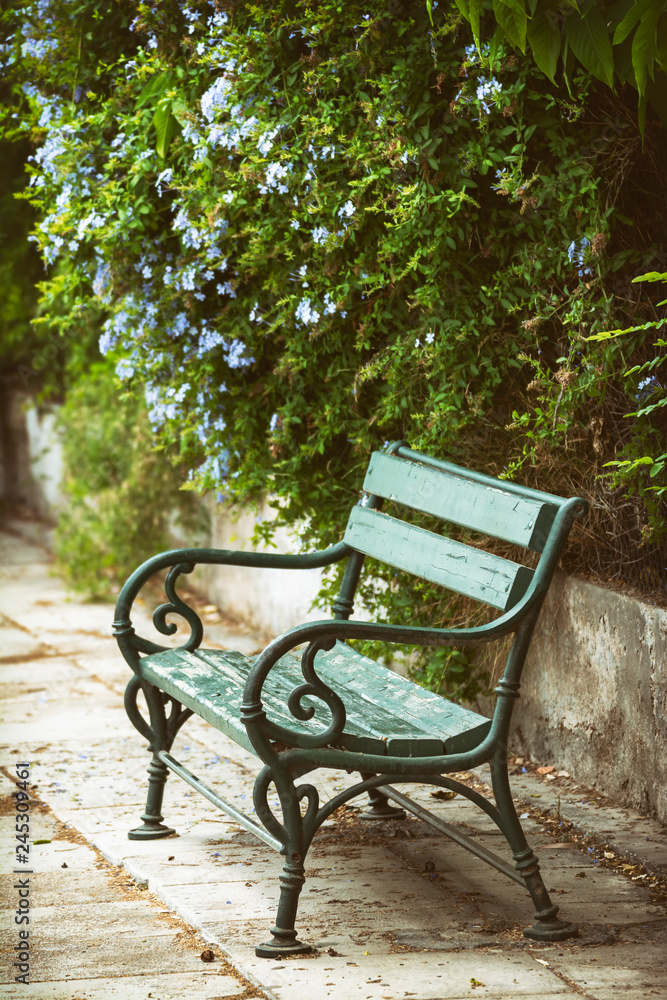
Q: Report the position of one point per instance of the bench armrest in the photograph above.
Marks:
(183, 561)
(322, 635)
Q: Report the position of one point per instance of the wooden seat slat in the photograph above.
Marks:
(385, 712)
(487, 509)
(481, 575)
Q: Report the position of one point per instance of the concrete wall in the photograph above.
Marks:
(31, 467)
(594, 693)
(268, 599)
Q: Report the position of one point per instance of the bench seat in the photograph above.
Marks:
(386, 713)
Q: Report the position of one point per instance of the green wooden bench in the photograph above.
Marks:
(327, 705)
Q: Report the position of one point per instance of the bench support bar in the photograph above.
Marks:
(547, 926)
(226, 807)
(459, 838)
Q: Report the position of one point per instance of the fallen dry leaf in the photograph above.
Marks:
(557, 847)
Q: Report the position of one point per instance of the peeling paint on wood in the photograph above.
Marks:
(488, 509)
(385, 712)
(467, 570)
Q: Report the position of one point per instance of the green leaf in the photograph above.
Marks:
(545, 39)
(645, 460)
(589, 40)
(475, 7)
(644, 50)
(513, 20)
(165, 127)
(154, 89)
(651, 276)
(517, 5)
(633, 16)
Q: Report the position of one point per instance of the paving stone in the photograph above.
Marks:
(430, 977)
(89, 926)
(605, 972)
(156, 986)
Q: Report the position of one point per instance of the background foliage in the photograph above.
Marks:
(304, 229)
(123, 499)
(623, 42)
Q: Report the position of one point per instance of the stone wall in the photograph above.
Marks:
(594, 693)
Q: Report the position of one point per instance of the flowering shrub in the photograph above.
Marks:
(123, 502)
(310, 229)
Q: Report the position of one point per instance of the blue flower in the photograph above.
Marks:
(579, 254)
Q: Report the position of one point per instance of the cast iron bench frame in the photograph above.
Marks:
(257, 709)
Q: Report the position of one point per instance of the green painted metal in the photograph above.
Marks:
(227, 807)
(489, 509)
(481, 575)
(328, 706)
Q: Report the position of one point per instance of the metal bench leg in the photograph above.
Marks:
(160, 733)
(284, 940)
(152, 827)
(547, 926)
(283, 935)
(380, 806)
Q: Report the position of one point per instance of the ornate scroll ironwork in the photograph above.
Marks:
(177, 606)
(262, 730)
(316, 688)
(163, 727)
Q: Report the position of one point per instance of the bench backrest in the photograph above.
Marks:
(456, 495)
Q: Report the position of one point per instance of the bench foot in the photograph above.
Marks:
(380, 811)
(152, 827)
(155, 831)
(380, 807)
(557, 930)
(280, 949)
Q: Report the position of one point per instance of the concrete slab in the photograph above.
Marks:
(422, 977)
(91, 930)
(166, 986)
(633, 835)
(612, 973)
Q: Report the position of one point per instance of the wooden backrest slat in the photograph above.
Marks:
(485, 508)
(467, 570)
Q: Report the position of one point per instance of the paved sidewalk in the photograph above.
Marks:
(394, 910)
